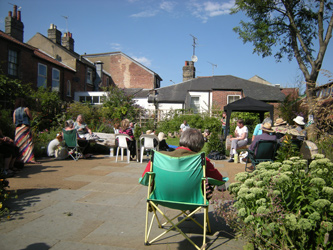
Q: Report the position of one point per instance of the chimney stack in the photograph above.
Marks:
(13, 24)
(188, 71)
(68, 41)
(54, 34)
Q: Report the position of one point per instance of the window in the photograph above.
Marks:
(55, 79)
(69, 88)
(95, 99)
(232, 98)
(195, 104)
(12, 63)
(89, 76)
(42, 75)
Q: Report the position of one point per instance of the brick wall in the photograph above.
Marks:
(220, 97)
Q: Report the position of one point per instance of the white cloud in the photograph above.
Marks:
(209, 9)
(168, 6)
(146, 13)
(143, 60)
(116, 46)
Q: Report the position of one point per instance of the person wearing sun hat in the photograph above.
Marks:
(299, 123)
(265, 136)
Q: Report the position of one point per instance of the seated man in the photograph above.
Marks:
(265, 136)
(240, 139)
(191, 142)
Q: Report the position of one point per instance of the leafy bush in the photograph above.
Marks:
(286, 205)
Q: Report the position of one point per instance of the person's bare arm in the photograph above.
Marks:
(27, 111)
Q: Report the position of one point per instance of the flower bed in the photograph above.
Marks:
(286, 205)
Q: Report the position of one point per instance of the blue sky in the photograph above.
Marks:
(159, 34)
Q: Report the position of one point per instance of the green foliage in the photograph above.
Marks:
(286, 205)
(290, 108)
(46, 105)
(6, 123)
(119, 106)
(289, 28)
(10, 89)
(325, 145)
(5, 194)
(287, 149)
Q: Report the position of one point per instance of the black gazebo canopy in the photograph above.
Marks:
(248, 104)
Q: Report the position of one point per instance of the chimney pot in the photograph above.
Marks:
(19, 15)
(15, 11)
(9, 13)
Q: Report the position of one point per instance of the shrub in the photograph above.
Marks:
(286, 205)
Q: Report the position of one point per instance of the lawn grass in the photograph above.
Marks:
(175, 142)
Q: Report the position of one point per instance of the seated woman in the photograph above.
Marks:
(10, 153)
(125, 129)
(81, 127)
(83, 143)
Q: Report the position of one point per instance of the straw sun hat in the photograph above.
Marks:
(279, 121)
(267, 127)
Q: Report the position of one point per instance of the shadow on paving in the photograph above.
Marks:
(26, 198)
(220, 234)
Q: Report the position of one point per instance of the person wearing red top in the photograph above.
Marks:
(191, 142)
(125, 129)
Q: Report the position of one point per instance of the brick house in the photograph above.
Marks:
(89, 76)
(125, 71)
(28, 64)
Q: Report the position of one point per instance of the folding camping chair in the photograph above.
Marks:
(177, 183)
(263, 151)
(147, 142)
(71, 143)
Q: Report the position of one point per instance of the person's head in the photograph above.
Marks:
(116, 125)
(131, 125)
(69, 123)
(192, 139)
(224, 114)
(267, 120)
(161, 136)
(124, 124)
(185, 122)
(206, 131)
(79, 118)
(240, 123)
(19, 102)
(267, 128)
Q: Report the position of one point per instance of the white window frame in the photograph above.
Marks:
(69, 88)
(12, 62)
(55, 82)
(89, 76)
(42, 77)
(229, 96)
(195, 106)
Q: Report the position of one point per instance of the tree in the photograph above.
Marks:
(118, 105)
(295, 26)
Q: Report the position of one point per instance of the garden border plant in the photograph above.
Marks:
(286, 205)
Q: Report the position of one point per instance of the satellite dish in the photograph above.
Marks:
(194, 58)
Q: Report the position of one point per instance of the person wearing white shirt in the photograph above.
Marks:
(184, 126)
(239, 140)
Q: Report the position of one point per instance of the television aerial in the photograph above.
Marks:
(213, 65)
(66, 17)
(194, 58)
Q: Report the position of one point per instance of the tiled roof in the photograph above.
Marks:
(177, 93)
(35, 50)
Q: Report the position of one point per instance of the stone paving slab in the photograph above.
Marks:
(105, 211)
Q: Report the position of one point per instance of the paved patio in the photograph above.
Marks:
(93, 204)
